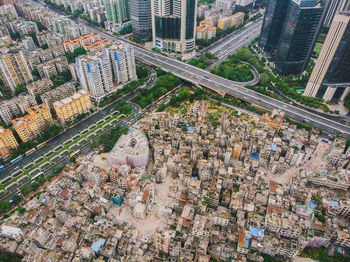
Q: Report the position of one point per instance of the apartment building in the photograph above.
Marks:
(95, 75)
(70, 107)
(40, 87)
(7, 142)
(14, 69)
(53, 67)
(80, 41)
(32, 124)
(205, 30)
(15, 106)
(122, 60)
(57, 94)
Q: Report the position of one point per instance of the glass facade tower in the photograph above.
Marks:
(271, 30)
(300, 30)
(141, 19)
(330, 78)
(173, 24)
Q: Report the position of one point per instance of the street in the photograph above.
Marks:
(204, 78)
(70, 132)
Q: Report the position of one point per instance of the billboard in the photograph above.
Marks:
(159, 44)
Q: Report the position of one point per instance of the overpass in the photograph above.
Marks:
(201, 77)
(204, 78)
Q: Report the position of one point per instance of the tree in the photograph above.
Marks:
(21, 210)
(142, 71)
(77, 52)
(35, 72)
(16, 199)
(5, 205)
(41, 180)
(123, 108)
(41, 27)
(20, 89)
(321, 218)
(38, 99)
(34, 186)
(73, 159)
(25, 190)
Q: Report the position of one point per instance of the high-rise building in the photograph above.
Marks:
(14, 69)
(32, 124)
(122, 60)
(7, 142)
(141, 19)
(330, 78)
(173, 25)
(335, 6)
(95, 74)
(117, 11)
(70, 107)
(271, 30)
(304, 19)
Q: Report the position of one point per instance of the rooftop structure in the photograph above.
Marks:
(131, 149)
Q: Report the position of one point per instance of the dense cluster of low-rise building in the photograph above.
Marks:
(252, 185)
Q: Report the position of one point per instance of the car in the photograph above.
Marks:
(207, 77)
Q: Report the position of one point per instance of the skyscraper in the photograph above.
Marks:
(141, 19)
(173, 25)
(14, 69)
(95, 74)
(300, 30)
(330, 78)
(271, 30)
(334, 7)
(122, 60)
(117, 11)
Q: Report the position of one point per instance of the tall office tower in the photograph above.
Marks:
(271, 30)
(117, 11)
(330, 78)
(173, 25)
(304, 19)
(14, 69)
(141, 19)
(122, 59)
(335, 6)
(95, 75)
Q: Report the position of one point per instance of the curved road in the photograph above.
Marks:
(204, 78)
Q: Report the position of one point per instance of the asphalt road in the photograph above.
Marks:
(242, 38)
(201, 77)
(83, 150)
(72, 131)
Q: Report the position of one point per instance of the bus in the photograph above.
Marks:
(75, 153)
(40, 145)
(30, 151)
(13, 161)
(37, 175)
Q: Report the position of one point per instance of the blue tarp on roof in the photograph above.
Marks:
(96, 245)
(312, 204)
(246, 245)
(334, 203)
(254, 155)
(273, 147)
(256, 232)
(190, 128)
(43, 200)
